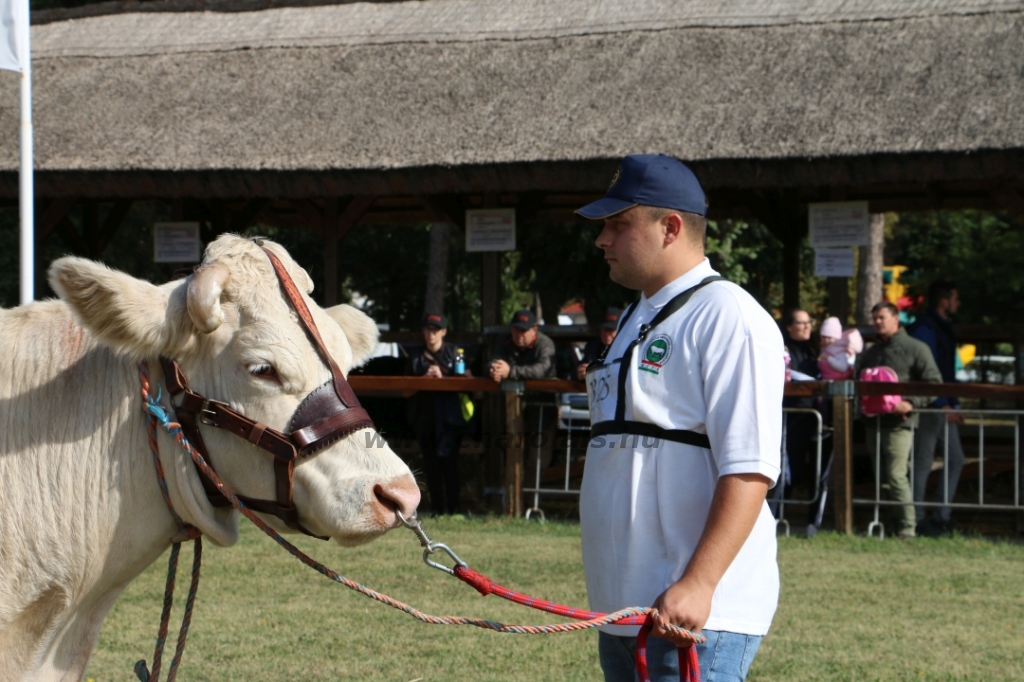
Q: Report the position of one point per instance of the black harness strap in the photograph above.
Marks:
(644, 429)
(619, 424)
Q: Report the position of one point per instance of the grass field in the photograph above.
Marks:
(851, 609)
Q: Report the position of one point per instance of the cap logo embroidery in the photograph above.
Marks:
(657, 353)
(615, 178)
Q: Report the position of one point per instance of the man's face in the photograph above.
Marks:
(524, 338)
(607, 336)
(633, 247)
(800, 328)
(433, 335)
(953, 302)
(884, 322)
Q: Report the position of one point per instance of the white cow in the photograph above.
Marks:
(81, 514)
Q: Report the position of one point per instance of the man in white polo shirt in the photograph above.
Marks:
(686, 408)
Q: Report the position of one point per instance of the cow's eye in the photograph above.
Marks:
(263, 371)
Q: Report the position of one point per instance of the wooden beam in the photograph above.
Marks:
(104, 235)
(72, 238)
(570, 177)
(353, 213)
(448, 207)
(56, 211)
(242, 219)
(315, 220)
(1010, 200)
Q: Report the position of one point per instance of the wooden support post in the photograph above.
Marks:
(335, 226)
(514, 453)
(329, 223)
(490, 296)
(791, 273)
(842, 461)
(839, 298)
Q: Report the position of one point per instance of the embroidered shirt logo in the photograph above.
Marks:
(656, 354)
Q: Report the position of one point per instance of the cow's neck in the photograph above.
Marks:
(83, 514)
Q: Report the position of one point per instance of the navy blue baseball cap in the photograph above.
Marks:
(651, 180)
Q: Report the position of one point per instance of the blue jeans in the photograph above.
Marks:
(725, 657)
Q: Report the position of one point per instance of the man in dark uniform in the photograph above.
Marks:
(595, 347)
(437, 417)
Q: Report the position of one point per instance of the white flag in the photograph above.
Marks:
(12, 26)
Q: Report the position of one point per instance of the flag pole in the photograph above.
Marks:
(25, 180)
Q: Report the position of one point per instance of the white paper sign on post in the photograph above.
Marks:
(491, 229)
(839, 224)
(176, 243)
(836, 262)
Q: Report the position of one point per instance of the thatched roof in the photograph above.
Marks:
(456, 82)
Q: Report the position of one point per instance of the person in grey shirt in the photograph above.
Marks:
(525, 353)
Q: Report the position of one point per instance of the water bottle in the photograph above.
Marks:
(460, 362)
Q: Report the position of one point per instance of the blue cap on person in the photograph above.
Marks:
(651, 180)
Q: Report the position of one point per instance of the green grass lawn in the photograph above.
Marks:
(851, 609)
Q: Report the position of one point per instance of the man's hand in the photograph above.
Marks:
(953, 417)
(734, 510)
(499, 370)
(685, 604)
(581, 371)
(903, 408)
(434, 371)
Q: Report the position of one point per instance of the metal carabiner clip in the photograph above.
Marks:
(433, 547)
(429, 546)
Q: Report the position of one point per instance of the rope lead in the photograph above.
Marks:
(585, 619)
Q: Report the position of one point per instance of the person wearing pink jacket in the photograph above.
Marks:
(839, 350)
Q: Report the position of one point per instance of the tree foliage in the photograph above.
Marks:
(982, 252)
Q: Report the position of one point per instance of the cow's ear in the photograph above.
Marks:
(360, 330)
(121, 311)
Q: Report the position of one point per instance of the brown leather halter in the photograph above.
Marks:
(324, 417)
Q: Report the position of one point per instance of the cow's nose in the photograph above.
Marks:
(399, 494)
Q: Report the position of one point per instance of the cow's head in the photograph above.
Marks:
(239, 341)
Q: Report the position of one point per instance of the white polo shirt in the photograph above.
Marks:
(715, 367)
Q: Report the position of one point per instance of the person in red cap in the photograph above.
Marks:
(437, 416)
(525, 353)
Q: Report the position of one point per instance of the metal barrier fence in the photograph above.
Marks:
(573, 417)
(778, 499)
(572, 421)
(998, 419)
(841, 394)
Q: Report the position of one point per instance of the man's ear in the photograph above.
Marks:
(672, 223)
(121, 311)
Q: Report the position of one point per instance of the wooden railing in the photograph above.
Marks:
(842, 394)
